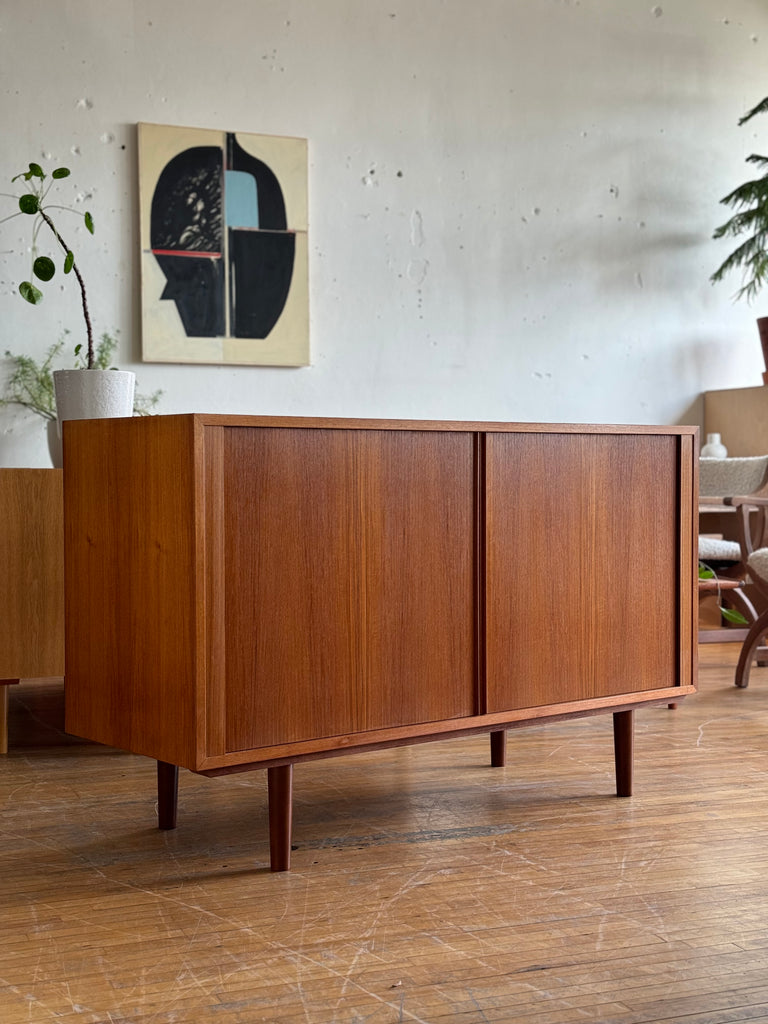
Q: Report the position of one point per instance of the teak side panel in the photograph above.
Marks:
(348, 568)
(131, 593)
(32, 560)
(582, 567)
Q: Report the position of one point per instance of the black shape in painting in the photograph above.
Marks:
(188, 215)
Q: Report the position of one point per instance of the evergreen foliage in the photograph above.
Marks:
(750, 201)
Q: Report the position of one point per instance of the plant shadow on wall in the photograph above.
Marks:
(92, 387)
(750, 203)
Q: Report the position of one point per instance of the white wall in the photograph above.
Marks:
(511, 201)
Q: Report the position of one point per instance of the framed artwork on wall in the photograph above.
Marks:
(224, 258)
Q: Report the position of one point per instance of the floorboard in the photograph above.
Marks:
(426, 886)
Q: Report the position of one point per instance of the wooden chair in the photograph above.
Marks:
(737, 487)
(753, 646)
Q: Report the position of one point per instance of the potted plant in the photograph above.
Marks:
(750, 201)
(89, 390)
(29, 384)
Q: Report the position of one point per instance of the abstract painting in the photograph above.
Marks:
(224, 259)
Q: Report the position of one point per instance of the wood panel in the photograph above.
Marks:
(582, 560)
(132, 586)
(349, 581)
(32, 560)
(740, 416)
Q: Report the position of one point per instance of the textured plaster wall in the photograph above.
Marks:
(511, 202)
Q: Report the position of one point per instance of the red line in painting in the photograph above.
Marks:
(186, 252)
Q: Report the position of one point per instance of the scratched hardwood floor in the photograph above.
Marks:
(426, 886)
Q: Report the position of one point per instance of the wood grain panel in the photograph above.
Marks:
(290, 606)
(131, 585)
(32, 560)
(582, 570)
(348, 568)
(418, 531)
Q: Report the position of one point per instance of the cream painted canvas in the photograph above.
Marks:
(224, 258)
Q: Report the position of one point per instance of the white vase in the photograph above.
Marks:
(714, 448)
(54, 443)
(93, 394)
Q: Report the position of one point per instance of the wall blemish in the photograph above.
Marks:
(417, 229)
(416, 271)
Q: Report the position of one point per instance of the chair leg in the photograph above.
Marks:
(739, 600)
(756, 632)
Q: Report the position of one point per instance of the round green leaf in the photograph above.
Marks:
(69, 261)
(61, 172)
(29, 203)
(89, 222)
(30, 293)
(36, 170)
(44, 268)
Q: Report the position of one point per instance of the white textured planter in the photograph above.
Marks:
(93, 394)
(54, 443)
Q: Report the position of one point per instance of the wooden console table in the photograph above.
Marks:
(249, 592)
(32, 560)
(740, 416)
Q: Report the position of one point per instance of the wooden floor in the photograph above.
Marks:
(426, 886)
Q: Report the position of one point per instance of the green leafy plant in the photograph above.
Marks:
(33, 202)
(750, 200)
(30, 383)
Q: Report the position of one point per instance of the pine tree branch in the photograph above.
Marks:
(761, 108)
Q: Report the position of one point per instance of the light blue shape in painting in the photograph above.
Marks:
(242, 200)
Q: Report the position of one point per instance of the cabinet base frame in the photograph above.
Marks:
(280, 787)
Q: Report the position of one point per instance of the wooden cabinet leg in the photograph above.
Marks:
(4, 684)
(499, 748)
(167, 794)
(280, 788)
(623, 749)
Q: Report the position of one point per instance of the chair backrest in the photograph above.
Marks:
(758, 566)
(733, 476)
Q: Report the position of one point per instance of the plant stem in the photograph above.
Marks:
(80, 281)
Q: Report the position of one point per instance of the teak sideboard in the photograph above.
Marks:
(249, 592)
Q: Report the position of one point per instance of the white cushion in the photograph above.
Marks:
(715, 549)
(758, 564)
(728, 477)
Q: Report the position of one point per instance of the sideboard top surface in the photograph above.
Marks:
(342, 423)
